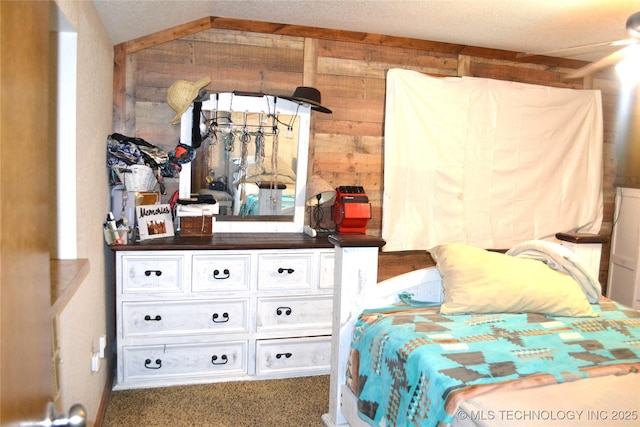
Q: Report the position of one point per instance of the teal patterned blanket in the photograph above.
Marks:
(251, 205)
(414, 366)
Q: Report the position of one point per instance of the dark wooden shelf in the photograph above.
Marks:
(347, 240)
(582, 238)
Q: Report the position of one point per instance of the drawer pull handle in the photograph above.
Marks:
(285, 355)
(214, 360)
(150, 272)
(286, 310)
(155, 319)
(217, 272)
(148, 362)
(225, 318)
(288, 270)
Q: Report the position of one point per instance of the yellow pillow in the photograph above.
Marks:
(479, 281)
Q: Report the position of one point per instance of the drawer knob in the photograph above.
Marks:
(216, 274)
(148, 362)
(154, 319)
(150, 272)
(216, 318)
(287, 270)
(285, 355)
(223, 360)
(286, 310)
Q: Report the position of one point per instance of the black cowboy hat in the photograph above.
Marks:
(308, 95)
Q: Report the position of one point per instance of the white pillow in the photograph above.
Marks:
(479, 281)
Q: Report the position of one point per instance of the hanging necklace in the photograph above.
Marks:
(274, 162)
(259, 139)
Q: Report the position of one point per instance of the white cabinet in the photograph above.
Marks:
(205, 315)
(624, 272)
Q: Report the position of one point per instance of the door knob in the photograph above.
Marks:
(77, 418)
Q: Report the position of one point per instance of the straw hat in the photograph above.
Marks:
(182, 93)
(308, 95)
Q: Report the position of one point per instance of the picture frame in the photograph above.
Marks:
(154, 221)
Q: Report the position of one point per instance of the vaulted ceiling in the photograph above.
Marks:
(515, 25)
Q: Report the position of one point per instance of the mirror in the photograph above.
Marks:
(252, 160)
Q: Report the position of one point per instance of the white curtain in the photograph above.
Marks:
(487, 162)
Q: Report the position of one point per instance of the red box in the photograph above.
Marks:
(351, 210)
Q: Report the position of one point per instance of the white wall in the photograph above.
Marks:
(87, 316)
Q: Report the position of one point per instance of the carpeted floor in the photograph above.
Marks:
(295, 402)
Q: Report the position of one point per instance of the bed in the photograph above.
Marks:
(484, 338)
(375, 383)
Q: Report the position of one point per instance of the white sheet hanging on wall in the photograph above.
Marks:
(488, 162)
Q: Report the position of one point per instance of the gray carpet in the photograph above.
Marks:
(295, 402)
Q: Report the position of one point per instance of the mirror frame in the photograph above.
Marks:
(261, 103)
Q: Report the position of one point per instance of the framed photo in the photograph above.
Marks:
(154, 221)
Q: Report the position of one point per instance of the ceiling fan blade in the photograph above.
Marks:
(605, 62)
(584, 46)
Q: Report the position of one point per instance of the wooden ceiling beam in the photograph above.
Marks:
(167, 35)
(207, 23)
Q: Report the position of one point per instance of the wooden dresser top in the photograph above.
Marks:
(230, 241)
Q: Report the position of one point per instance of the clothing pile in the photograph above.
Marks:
(125, 151)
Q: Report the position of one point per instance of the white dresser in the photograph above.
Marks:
(223, 308)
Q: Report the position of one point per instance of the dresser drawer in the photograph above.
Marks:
(184, 317)
(152, 274)
(284, 271)
(168, 361)
(221, 272)
(302, 312)
(308, 355)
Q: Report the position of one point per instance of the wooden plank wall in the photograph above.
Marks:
(348, 68)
